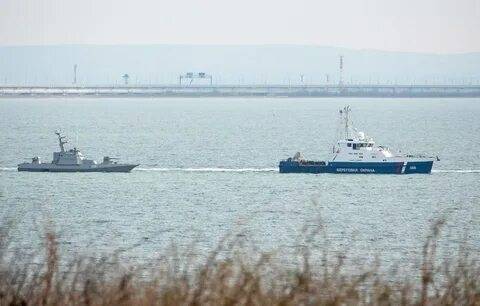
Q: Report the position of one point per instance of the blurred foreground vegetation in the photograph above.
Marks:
(230, 278)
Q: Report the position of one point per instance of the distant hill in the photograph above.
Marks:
(229, 64)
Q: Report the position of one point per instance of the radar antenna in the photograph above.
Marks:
(61, 141)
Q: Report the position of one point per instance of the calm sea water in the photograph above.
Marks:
(209, 167)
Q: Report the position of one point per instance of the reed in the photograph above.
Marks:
(233, 274)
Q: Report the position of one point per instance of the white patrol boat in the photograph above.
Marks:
(73, 161)
(357, 153)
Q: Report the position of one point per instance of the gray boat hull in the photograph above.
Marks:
(75, 168)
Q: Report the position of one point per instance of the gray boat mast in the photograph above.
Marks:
(61, 140)
(345, 114)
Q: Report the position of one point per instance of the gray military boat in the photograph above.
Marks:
(73, 161)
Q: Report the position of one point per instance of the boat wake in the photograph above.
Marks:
(457, 171)
(7, 169)
(238, 170)
(245, 170)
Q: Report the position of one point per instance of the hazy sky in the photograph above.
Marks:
(440, 26)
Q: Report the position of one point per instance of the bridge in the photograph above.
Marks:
(243, 91)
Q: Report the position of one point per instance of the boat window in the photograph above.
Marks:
(370, 145)
(357, 146)
(349, 145)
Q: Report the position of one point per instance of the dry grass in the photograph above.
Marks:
(227, 277)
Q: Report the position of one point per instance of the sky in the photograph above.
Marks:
(427, 26)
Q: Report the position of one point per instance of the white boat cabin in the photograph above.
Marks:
(360, 149)
(357, 147)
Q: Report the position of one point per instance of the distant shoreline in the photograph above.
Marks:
(275, 91)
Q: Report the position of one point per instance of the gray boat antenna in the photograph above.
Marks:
(61, 141)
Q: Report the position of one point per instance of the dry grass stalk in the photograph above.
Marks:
(228, 277)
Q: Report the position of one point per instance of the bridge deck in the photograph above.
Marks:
(248, 90)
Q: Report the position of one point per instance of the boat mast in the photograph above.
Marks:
(61, 142)
(346, 112)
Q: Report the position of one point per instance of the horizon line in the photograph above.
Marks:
(235, 45)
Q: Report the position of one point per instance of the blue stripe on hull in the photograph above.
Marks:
(366, 168)
(357, 167)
